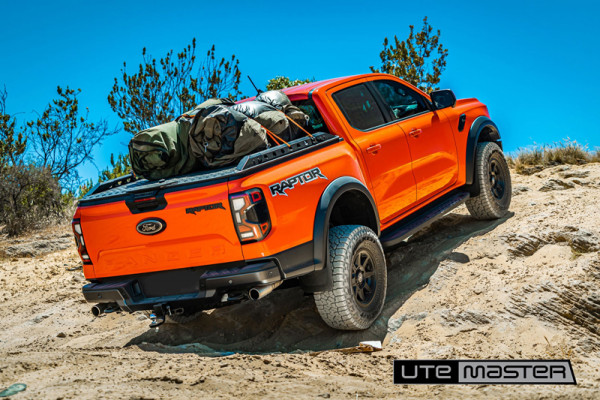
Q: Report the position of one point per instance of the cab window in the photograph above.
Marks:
(359, 107)
(402, 101)
(315, 123)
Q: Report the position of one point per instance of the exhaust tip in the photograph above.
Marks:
(97, 310)
(261, 291)
(102, 308)
(254, 294)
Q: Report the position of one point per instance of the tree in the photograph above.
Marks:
(118, 167)
(282, 82)
(11, 147)
(62, 138)
(160, 91)
(413, 60)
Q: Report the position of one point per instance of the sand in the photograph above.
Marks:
(524, 287)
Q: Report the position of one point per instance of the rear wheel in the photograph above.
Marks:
(359, 275)
(492, 178)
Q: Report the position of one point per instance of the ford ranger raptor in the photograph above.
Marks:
(384, 159)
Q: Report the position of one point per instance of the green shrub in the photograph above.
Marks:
(30, 198)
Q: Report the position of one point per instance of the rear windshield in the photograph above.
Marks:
(316, 123)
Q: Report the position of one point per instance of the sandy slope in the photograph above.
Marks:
(523, 287)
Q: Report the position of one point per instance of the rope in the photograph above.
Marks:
(298, 125)
(273, 136)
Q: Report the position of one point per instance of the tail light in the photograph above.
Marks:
(80, 242)
(250, 215)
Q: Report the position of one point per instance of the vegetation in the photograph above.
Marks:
(30, 197)
(12, 143)
(282, 82)
(161, 91)
(414, 59)
(118, 167)
(62, 139)
(534, 159)
(39, 159)
(38, 162)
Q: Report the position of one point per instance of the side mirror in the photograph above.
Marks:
(443, 98)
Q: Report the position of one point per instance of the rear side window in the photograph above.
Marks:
(359, 107)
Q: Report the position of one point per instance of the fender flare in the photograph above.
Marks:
(321, 279)
(477, 127)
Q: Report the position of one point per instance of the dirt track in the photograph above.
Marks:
(527, 286)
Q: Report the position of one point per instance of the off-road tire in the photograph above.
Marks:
(492, 182)
(352, 249)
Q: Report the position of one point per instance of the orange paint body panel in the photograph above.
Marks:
(203, 238)
(292, 215)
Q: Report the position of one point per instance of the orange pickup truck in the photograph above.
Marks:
(384, 160)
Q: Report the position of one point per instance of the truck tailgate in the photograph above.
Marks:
(198, 231)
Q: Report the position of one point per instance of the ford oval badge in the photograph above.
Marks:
(151, 226)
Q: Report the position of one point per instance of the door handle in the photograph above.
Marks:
(374, 148)
(415, 132)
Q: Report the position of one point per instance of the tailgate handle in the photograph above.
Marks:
(141, 203)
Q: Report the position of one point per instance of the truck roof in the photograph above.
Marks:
(304, 90)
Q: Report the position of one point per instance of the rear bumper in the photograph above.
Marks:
(178, 287)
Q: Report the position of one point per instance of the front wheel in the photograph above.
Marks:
(359, 275)
(492, 178)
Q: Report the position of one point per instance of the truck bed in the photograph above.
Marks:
(120, 188)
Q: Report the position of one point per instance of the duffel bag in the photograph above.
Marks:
(161, 151)
(252, 138)
(275, 98)
(253, 108)
(220, 135)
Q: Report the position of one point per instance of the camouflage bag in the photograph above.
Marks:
(161, 151)
(220, 135)
(298, 120)
(252, 138)
(275, 121)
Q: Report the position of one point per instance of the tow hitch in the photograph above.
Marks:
(160, 311)
(158, 315)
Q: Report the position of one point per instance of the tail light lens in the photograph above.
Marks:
(80, 242)
(250, 215)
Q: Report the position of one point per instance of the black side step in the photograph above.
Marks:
(408, 226)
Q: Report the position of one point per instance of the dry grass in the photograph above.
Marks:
(527, 161)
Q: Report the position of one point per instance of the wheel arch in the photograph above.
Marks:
(482, 129)
(337, 206)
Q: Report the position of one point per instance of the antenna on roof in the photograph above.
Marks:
(258, 91)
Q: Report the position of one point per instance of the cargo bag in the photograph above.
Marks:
(275, 121)
(161, 151)
(253, 108)
(252, 138)
(298, 122)
(220, 135)
(275, 98)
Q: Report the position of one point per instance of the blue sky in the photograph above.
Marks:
(533, 63)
